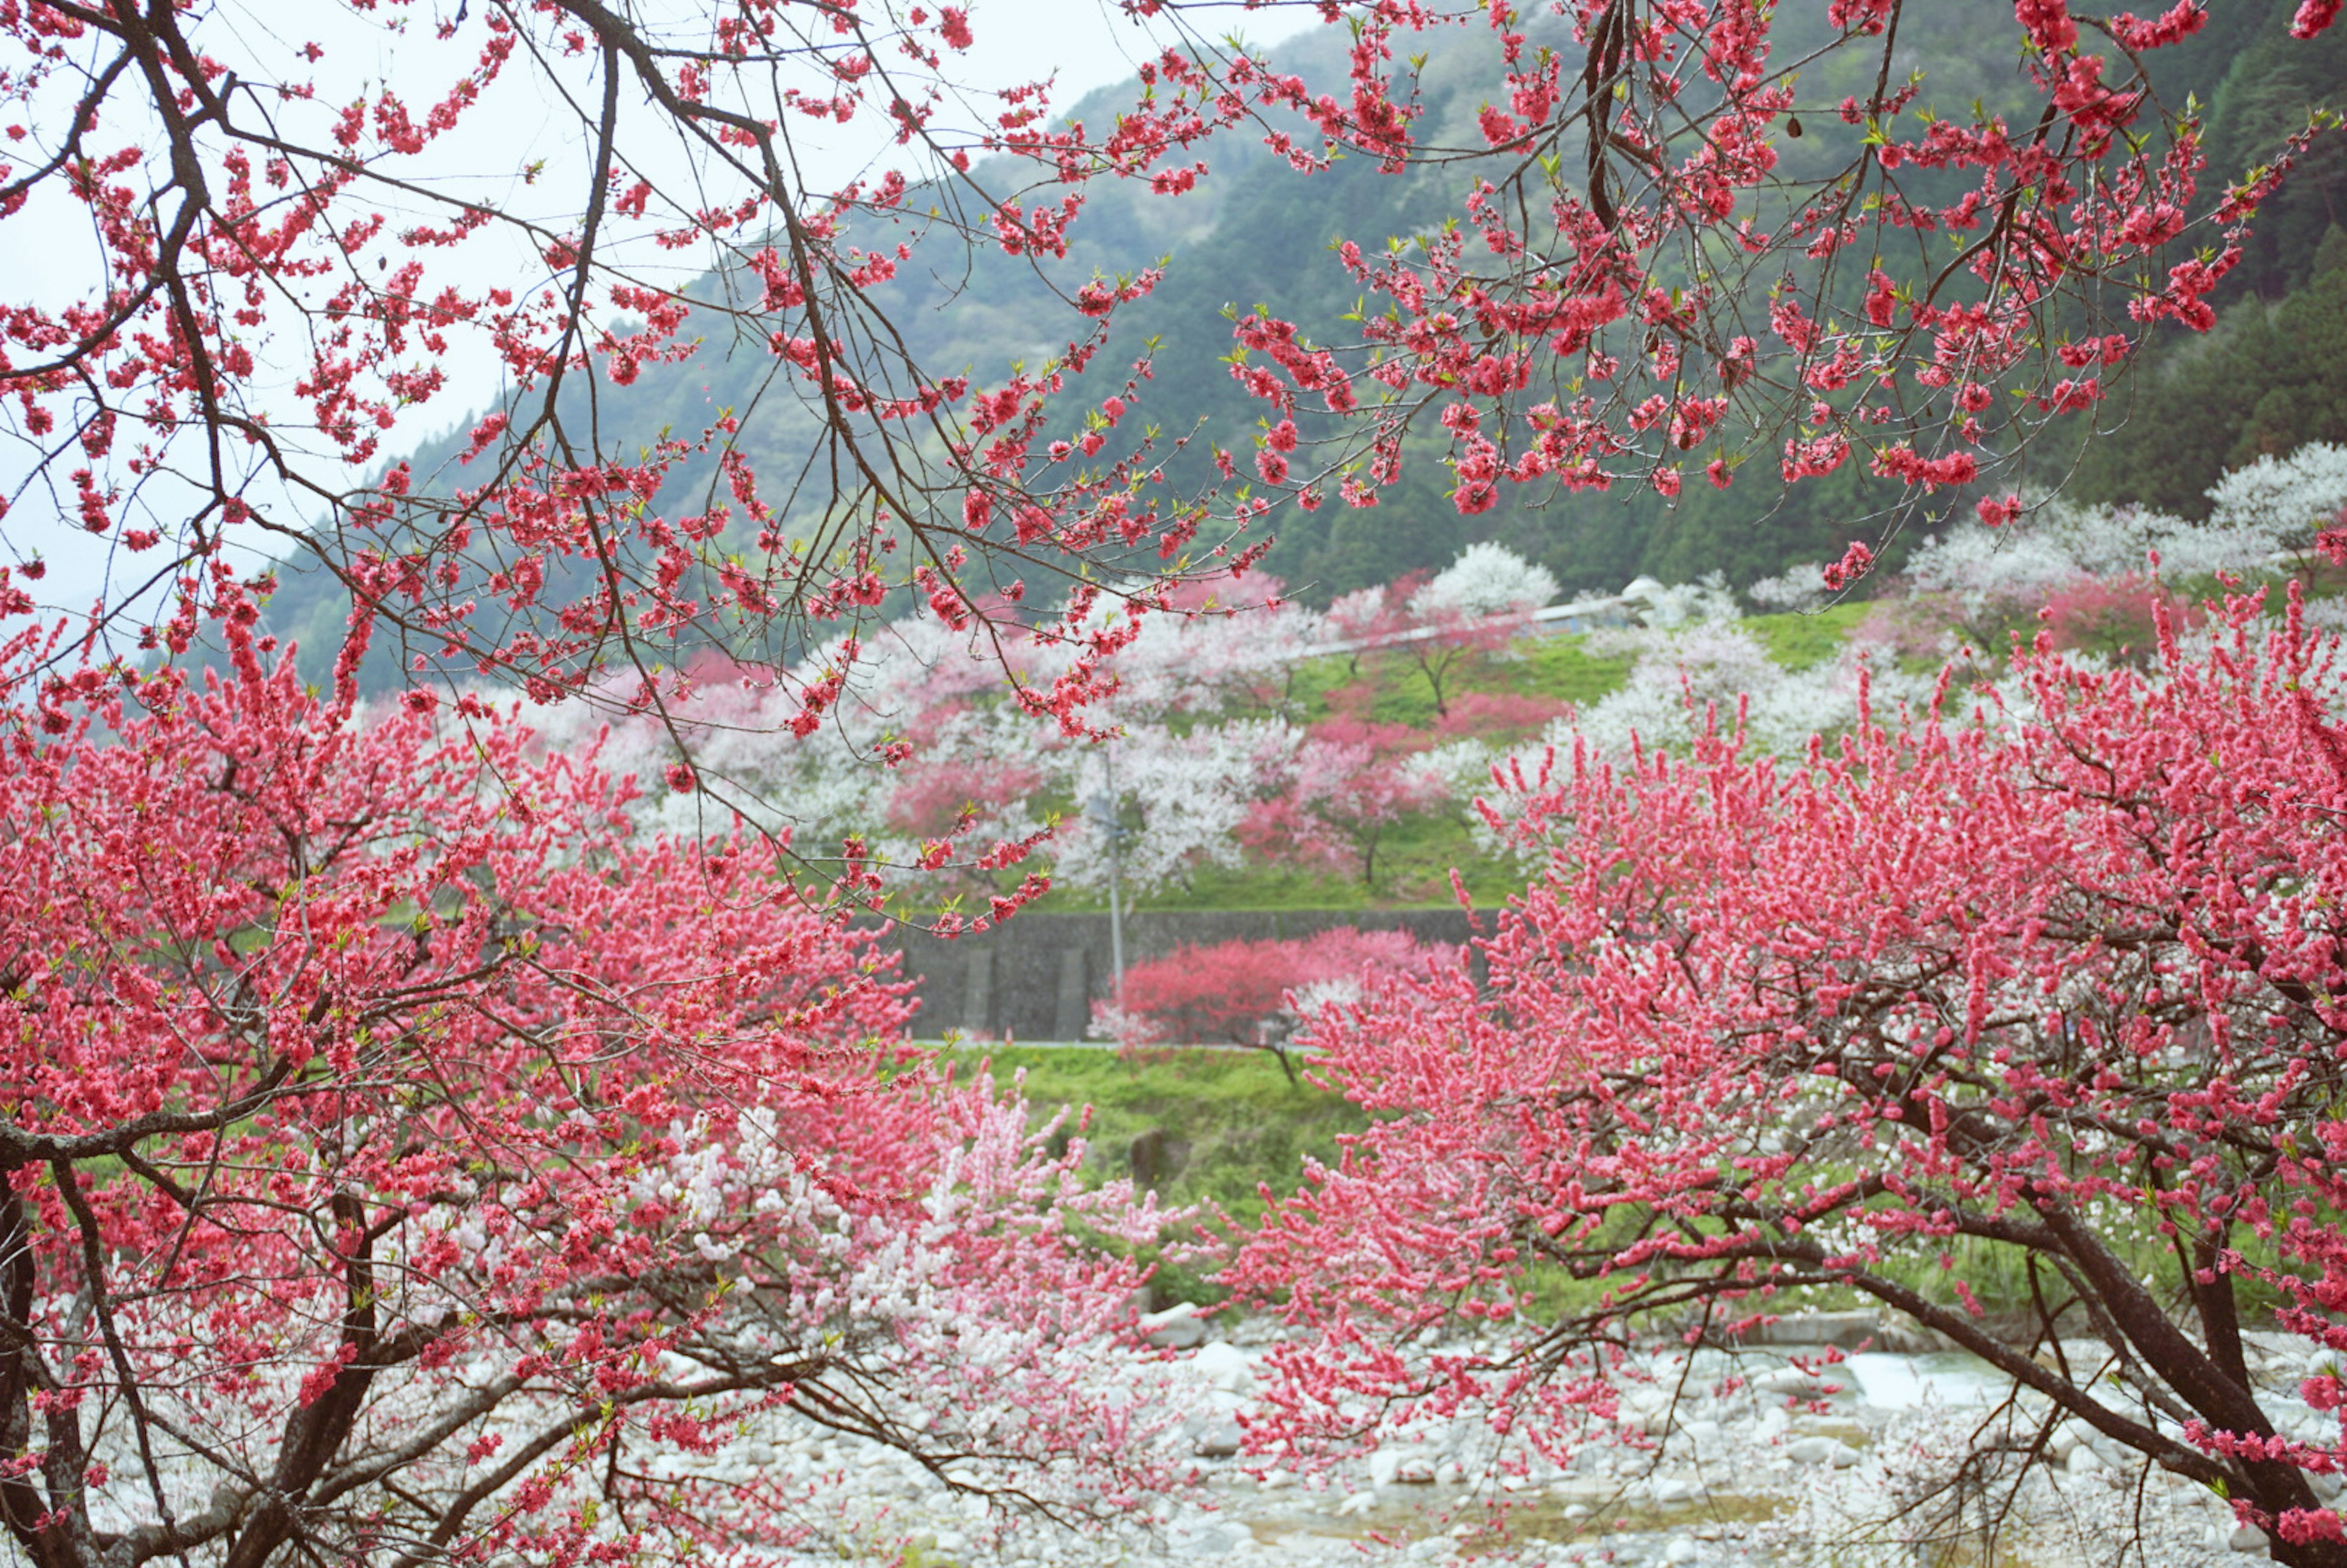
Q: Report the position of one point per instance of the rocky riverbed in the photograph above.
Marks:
(1768, 1459)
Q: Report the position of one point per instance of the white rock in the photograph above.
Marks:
(1226, 1367)
(1791, 1381)
(1220, 1440)
(2084, 1461)
(1448, 1472)
(1821, 1451)
(1214, 1541)
(1177, 1327)
(1360, 1502)
(2247, 1538)
(1682, 1549)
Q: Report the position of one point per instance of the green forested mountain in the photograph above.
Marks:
(2273, 374)
(1253, 231)
(2271, 377)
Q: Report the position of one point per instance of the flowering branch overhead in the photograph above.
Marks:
(1657, 263)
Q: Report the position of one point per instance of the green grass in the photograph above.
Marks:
(1562, 668)
(1415, 860)
(1234, 1121)
(1800, 641)
(1311, 682)
(1233, 1125)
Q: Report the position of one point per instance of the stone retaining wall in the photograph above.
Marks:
(1036, 977)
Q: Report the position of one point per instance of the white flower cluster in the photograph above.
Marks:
(2295, 496)
(1667, 607)
(2061, 543)
(2258, 513)
(1210, 728)
(1486, 580)
(1190, 791)
(1799, 587)
(1200, 705)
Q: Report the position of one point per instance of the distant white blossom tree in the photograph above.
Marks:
(2296, 496)
(2258, 511)
(1799, 587)
(1664, 607)
(1180, 797)
(1486, 580)
(2062, 542)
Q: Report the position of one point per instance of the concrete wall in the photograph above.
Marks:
(1036, 977)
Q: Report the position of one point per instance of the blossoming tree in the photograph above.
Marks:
(406, 1161)
(2050, 990)
(1244, 992)
(1353, 782)
(401, 1155)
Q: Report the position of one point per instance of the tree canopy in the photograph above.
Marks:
(407, 1158)
(2043, 989)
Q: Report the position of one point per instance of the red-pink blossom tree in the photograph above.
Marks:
(407, 1163)
(2052, 991)
(2114, 620)
(1252, 993)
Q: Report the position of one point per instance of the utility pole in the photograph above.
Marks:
(1115, 876)
(1102, 809)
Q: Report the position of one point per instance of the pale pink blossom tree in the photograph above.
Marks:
(1352, 783)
